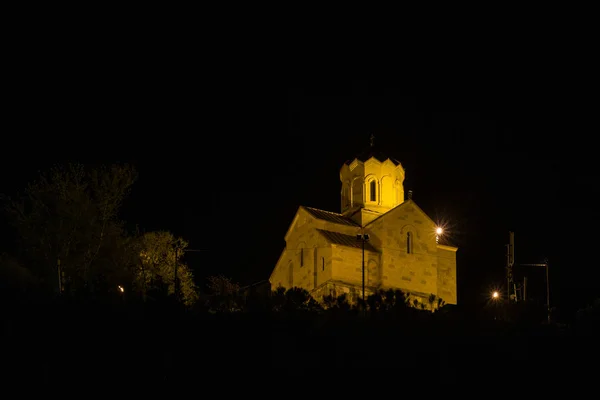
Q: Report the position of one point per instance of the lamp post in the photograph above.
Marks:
(364, 237)
(122, 290)
(495, 298)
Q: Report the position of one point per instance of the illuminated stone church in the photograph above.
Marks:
(324, 249)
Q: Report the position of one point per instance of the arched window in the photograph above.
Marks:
(373, 188)
(409, 242)
(345, 196)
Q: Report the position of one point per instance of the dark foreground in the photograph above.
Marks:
(118, 347)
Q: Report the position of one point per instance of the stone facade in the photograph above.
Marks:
(324, 256)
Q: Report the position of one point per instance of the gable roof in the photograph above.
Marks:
(403, 204)
(323, 216)
(345, 240)
(330, 216)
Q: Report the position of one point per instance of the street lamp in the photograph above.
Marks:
(364, 238)
(495, 299)
(122, 290)
(438, 233)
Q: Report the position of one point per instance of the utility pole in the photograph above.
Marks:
(510, 261)
(547, 289)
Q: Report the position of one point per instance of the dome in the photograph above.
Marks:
(373, 152)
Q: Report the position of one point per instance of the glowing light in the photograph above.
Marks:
(495, 295)
(121, 289)
(439, 230)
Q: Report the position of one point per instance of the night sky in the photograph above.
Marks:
(227, 168)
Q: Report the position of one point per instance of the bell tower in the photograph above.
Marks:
(372, 184)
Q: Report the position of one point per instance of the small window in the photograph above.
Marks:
(409, 242)
(372, 191)
(322, 263)
(302, 257)
(345, 197)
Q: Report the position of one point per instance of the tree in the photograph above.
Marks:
(587, 319)
(15, 280)
(339, 303)
(294, 299)
(387, 300)
(69, 215)
(159, 254)
(440, 303)
(432, 301)
(224, 293)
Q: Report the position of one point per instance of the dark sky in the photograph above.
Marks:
(227, 168)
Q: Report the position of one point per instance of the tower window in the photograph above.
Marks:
(322, 263)
(345, 196)
(302, 257)
(409, 242)
(372, 191)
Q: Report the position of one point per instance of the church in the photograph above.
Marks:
(378, 229)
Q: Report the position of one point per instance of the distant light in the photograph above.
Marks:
(439, 230)
(495, 295)
(121, 289)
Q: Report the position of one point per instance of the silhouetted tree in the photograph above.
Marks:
(375, 301)
(440, 303)
(391, 300)
(70, 215)
(278, 299)
(588, 319)
(15, 280)
(294, 299)
(339, 303)
(224, 294)
(432, 301)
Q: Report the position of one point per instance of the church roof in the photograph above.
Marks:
(345, 240)
(373, 151)
(330, 216)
